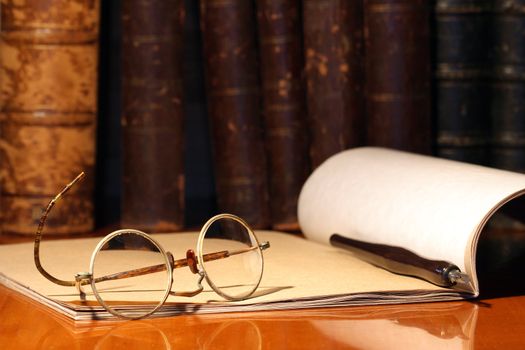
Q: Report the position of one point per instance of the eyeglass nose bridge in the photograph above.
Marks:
(191, 260)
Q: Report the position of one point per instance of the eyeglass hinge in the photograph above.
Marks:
(82, 278)
(264, 245)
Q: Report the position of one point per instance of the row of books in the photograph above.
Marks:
(288, 84)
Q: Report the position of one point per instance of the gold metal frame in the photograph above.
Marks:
(168, 265)
(192, 261)
(200, 242)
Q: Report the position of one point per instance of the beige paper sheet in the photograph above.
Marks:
(434, 207)
(298, 274)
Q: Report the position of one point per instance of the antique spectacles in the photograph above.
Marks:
(131, 263)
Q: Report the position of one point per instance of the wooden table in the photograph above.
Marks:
(495, 323)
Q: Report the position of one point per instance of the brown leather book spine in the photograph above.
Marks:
(508, 86)
(333, 46)
(152, 115)
(286, 133)
(48, 82)
(232, 79)
(398, 74)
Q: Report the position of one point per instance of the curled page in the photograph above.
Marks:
(433, 207)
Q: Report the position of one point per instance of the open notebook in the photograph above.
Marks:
(435, 208)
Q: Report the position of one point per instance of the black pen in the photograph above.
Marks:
(402, 261)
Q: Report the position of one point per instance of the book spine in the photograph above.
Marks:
(232, 79)
(48, 82)
(398, 74)
(333, 46)
(280, 42)
(152, 115)
(508, 86)
(461, 84)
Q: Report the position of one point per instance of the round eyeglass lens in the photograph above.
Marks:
(230, 256)
(131, 275)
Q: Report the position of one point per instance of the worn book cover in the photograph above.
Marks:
(283, 106)
(462, 105)
(397, 45)
(152, 115)
(48, 82)
(334, 73)
(508, 86)
(229, 38)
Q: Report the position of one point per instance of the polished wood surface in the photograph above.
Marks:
(495, 323)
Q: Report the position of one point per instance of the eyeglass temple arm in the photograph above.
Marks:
(219, 255)
(175, 264)
(262, 246)
(38, 236)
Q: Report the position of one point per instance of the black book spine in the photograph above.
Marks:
(508, 86)
(461, 84)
